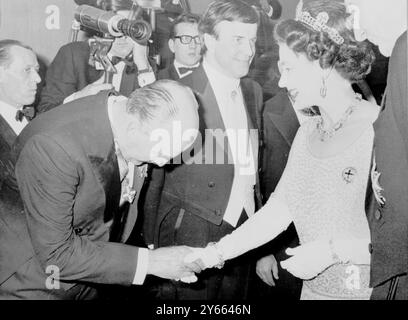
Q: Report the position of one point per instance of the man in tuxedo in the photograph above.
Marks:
(383, 23)
(202, 200)
(18, 84)
(71, 161)
(185, 44)
(72, 75)
(280, 124)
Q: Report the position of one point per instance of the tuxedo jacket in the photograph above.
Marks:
(169, 73)
(280, 125)
(13, 232)
(201, 189)
(389, 223)
(68, 177)
(70, 72)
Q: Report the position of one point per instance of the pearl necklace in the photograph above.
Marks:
(326, 134)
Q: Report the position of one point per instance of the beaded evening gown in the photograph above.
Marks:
(326, 199)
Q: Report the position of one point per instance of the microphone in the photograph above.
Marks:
(113, 24)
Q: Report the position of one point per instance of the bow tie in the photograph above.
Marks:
(28, 112)
(127, 61)
(184, 70)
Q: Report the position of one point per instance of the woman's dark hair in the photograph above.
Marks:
(352, 59)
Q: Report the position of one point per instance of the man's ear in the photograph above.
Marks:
(134, 129)
(171, 45)
(209, 41)
(3, 76)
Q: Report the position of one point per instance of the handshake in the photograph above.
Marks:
(182, 263)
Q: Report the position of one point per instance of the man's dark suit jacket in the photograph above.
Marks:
(68, 178)
(389, 223)
(70, 72)
(280, 125)
(169, 73)
(200, 189)
(12, 235)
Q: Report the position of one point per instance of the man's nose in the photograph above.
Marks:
(36, 77)
(282, 82)
(193, 44)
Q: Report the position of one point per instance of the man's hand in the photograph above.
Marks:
(266, 7)
(169, 263)
(267, 269)
(309, 260)
(121, 47)
(205, 258)
(140, 55)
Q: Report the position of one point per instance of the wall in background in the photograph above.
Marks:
(42, 24)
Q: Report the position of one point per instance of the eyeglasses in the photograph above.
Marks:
(187, 39)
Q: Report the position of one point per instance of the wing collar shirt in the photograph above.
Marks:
(8, 112)
(178, 65)
(231, 104)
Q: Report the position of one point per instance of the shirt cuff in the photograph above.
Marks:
(270, 12)
(146, 78)
(141, 268)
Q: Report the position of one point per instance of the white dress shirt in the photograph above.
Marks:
(231, 104)
(8, 112)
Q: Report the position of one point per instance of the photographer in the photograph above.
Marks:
(70, 76)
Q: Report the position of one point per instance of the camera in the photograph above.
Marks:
(112, 24)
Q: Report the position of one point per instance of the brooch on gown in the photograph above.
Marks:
(349, 174)
(375, 181)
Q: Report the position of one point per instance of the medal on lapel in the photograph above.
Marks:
(129, 193)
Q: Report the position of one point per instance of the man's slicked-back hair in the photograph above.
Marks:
(183, 18)
(5, 46)
(155, 101)
(226, 10)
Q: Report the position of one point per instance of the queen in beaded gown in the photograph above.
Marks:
(326, 198)
(323, 187)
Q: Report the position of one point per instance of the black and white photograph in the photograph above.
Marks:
(200, 158)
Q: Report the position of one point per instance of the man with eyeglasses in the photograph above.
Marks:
(185, 43)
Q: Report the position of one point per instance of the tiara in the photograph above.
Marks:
(320, 24)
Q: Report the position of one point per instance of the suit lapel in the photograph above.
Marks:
(98, 143)
(284, 119)
(7, 132)
(209, 112)
(173, 72)
(250, 109)
(128, 82)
